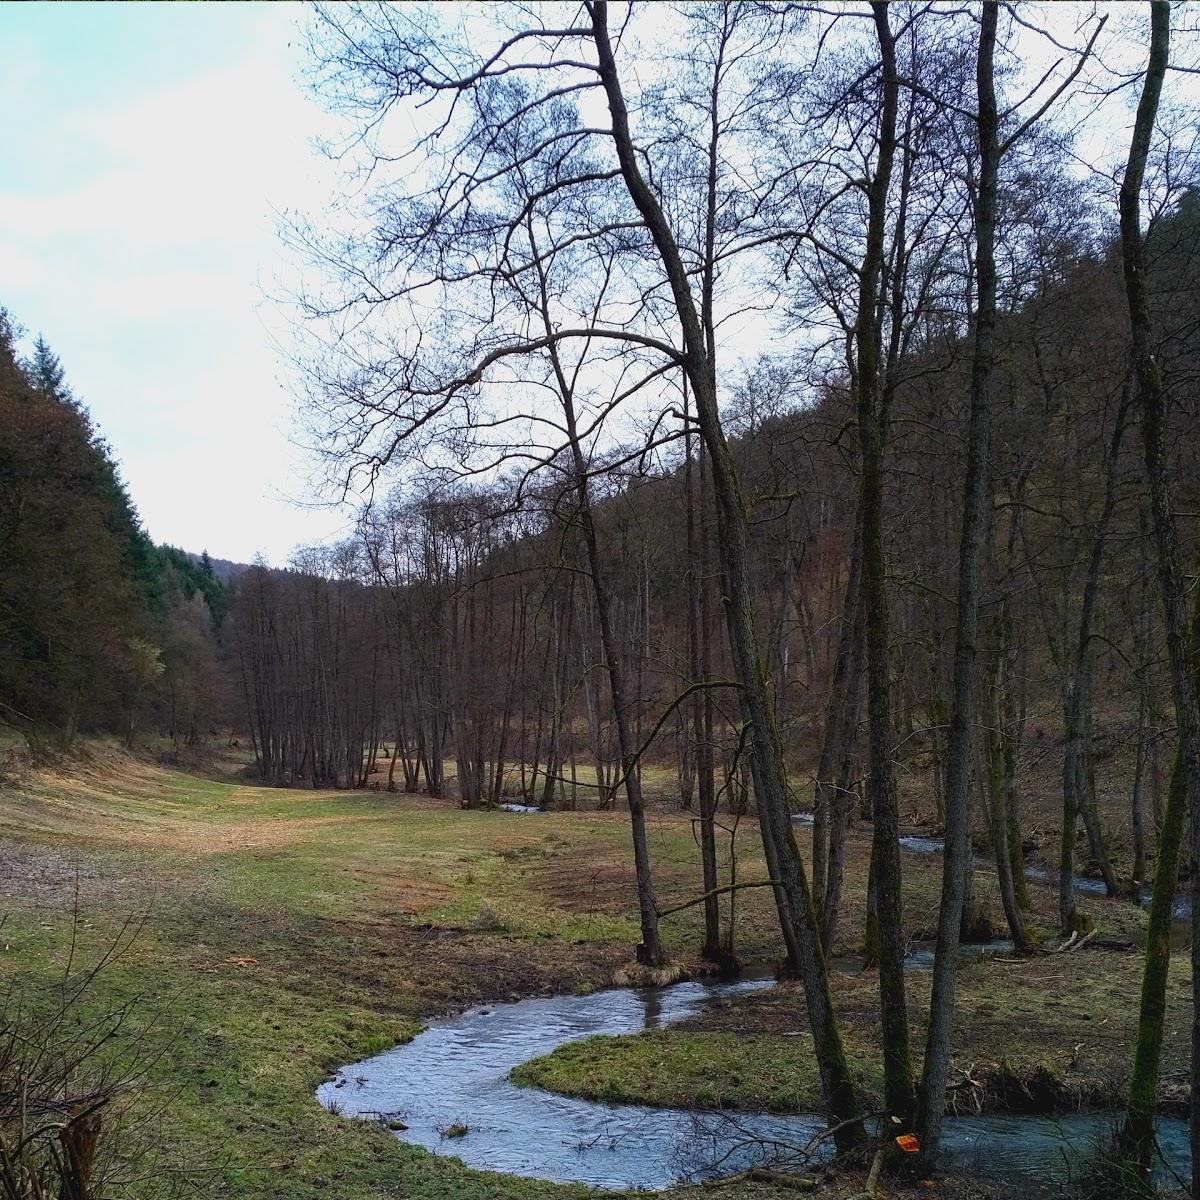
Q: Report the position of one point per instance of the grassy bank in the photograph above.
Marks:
(1051, 1034)
(689, 1069)
(282, 933)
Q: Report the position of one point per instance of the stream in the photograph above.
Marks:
(926, 844)
(456, 1073)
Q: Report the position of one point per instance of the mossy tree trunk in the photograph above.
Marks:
(1135, 1144)
(1151, 394)
(1136, 1140)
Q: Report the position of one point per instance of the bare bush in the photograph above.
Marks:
(70, 1068)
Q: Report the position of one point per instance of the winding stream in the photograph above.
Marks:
(456, 1073)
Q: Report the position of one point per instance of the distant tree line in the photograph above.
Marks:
(457, 631)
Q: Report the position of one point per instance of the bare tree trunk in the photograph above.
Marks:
(1143, 766)
(957, 857)
(1091, 816)
(1137, 803)
(711, 947)
(999, 762)
(937, 751)
(841, 720)
(1068, 918)
(842, 800)
(794, 903)
(1077, 799)
(1014, 722)
(881, 780)
(651, 949)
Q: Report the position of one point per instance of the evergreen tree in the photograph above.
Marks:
(67, 601)
(46, 374)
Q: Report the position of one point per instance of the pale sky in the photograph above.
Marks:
(145, 150)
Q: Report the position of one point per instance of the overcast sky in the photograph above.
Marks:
(145, 149)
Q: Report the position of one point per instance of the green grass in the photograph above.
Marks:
(365, 914)
(327, 893)
(1050, 1034)
(681, 1068)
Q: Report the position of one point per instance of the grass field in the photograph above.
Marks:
(284, 932)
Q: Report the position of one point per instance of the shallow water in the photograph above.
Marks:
(1039, 873)
(457, 1072)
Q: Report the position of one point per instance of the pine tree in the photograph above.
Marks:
(46, 374)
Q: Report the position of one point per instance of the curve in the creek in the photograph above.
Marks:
(455, 1075)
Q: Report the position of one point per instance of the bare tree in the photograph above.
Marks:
(1184, 795)
(990, 149)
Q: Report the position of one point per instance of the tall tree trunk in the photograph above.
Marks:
(1137, 805)
(1077, 788)
(1136, 1140)
(1135, 1144)
(881, 779)
(1091, 815)
(1144, 765)
(831, 807)
(957, 857)
(1014, 724)
(1151, 395)
(794, 903)
(710, 947)
(706, 750)
(1068, 917)
(999, 763)
(845, 799)
(651, 951)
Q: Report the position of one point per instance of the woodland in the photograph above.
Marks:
(776, 436)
